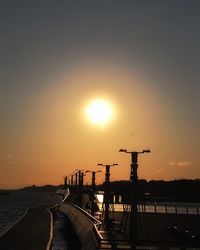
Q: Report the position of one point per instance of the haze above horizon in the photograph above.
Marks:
(141, 57)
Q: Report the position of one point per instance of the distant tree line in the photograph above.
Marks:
(49, 188)
(160, 190)
(182, 190)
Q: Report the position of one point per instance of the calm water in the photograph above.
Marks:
(13, 207)
(158, 207)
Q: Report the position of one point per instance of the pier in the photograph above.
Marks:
(33, 231)
(135, 226)
(155, 230)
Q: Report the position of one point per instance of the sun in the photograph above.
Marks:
(99, 112)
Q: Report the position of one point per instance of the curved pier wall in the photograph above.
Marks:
(84, 226)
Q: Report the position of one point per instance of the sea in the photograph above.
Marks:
(156, 207)
(13, 205)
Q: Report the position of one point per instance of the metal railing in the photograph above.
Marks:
(160, 208)
(168, 209)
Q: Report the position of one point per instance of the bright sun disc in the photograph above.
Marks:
(99, 112)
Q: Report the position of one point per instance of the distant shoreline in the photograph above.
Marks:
(5, 193)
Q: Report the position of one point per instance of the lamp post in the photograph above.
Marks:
(134, 189)
(94, 179)
(93, 187)
(107, 191)
(65, 182)
(72, 180)
(76, 179)
(83, 174)
(80, 187)
(80, 178)
(93, 184)
(69, 183)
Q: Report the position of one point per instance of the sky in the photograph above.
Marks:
(142, 57)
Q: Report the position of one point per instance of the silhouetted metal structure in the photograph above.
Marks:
(107, 192)
(72, 179)
(82, 179)
(76, 179)
(93, 187)
(134, 193)
(65, 182)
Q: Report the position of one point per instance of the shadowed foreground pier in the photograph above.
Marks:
(32, 232)
(154, 229)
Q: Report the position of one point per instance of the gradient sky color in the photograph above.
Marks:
(56, 56)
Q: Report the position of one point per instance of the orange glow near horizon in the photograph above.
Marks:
(52, 139)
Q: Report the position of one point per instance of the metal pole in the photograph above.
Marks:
(92, 193)
(79, 179)
(93, 180)
(76, 179)
(72, 182)
(134, 197)
(82, 179)
(107, 195)
(65, 182)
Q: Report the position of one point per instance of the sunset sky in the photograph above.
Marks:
(141, 57)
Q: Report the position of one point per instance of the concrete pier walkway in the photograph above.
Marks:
(153, 229)
(32, 232)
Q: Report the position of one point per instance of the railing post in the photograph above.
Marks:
(166, 209)
(155, 209)
(175, 209)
